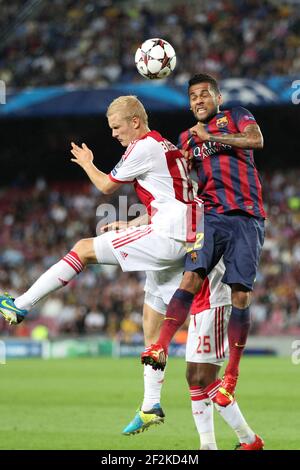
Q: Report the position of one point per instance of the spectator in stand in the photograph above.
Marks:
(92, 42)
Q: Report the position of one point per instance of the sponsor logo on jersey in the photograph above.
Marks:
(209, 149)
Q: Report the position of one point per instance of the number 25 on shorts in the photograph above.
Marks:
(204, 345)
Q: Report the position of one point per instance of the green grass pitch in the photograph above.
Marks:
(85, 403)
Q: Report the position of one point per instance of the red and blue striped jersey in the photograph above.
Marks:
(227, 176)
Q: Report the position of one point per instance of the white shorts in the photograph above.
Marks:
(140, 249)
(207, 336)
(156, 303)
(160, 287)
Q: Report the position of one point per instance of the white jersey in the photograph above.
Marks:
(214, 292)
(160, 177)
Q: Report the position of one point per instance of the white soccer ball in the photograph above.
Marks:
(155, 59)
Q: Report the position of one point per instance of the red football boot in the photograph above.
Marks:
(258, 444)
(225, 394)
(155, 356)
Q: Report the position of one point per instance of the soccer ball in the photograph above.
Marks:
(155, 58)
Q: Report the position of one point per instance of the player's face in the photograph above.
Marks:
(123, 130)
(204, 101)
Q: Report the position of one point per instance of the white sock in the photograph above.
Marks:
(202, 409)
(234, 418)
(153, 381)
(57, 276)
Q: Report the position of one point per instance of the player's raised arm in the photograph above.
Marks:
(250, 138)
(84, 157)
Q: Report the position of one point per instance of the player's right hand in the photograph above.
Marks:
(200, 131)
(83, 155)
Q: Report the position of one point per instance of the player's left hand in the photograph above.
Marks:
(118, 225)
(83, 155)
(199, 130)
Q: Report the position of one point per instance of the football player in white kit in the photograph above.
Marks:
(206, 350)
(159, 174)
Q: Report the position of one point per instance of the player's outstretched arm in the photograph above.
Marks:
(84, 157)
(250, 138)
(121, 225)
(138, 221)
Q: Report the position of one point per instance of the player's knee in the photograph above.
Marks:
(191, 282)
(195, 378)
(85, 250)
(201, 375)
(190, 377)
(241, 299)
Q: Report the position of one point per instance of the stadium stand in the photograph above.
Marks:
(92, 43)
(89, 43)
(40, 222)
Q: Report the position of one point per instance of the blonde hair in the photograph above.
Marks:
(128, 107)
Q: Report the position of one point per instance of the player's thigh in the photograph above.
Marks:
(142, 248)
(163, 284)
(207, 336)
(242, 254)
(103, 250)
(159, 289)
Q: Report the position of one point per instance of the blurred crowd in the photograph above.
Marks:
(92, 42)
(276, 299)
(41, 222)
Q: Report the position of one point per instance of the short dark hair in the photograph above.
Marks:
(204, 77)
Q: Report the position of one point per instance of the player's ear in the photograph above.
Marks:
(220, 99)
(136, 122)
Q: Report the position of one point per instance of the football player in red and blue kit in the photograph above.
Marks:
(221, 147)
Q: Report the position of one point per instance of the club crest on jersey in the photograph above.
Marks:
(194, 256)
(222, 122)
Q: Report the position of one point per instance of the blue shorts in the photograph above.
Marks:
(238, 238)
